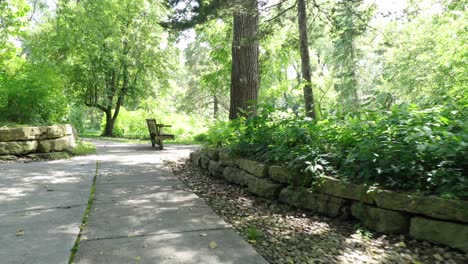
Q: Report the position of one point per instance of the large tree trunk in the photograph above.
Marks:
(112, 118)
(305, 60)
(245, 73)
(110, 122)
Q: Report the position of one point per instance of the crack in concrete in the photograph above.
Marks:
(44, 209)
(171, 180)
(159, 234)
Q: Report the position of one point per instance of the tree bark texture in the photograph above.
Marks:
(245, 66)
(305, 60)
(215, 107)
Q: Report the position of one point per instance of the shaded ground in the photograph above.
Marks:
(143, 214)
(283, 234)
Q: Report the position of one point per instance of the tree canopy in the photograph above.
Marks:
(321, 85)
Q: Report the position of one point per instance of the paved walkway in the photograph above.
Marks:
(41, 208)
(141, 212)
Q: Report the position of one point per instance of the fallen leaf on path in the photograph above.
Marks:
(20, 233)
(213, 245)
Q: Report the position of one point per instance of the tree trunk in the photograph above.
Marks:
(110, 122)
(305, 60)
(215, 107)
(245, 73)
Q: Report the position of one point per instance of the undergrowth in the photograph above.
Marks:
(423, 151)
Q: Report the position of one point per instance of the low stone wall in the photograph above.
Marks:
(437, 220)
(26, 140)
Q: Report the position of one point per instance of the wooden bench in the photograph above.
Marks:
(156, 133)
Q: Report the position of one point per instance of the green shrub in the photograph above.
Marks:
(202, 137)
(411, 149)
(32, 94)
(77, 117)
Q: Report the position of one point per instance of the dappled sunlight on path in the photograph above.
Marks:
(41, 208)
(143, 213)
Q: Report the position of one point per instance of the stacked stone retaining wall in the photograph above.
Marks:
(45, 139)
(441, 221)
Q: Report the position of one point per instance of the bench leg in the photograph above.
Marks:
(160, 143)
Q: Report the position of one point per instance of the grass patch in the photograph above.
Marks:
(254, 234)
(96, 135)
(90, 133)
(84, 221)
(82, 149)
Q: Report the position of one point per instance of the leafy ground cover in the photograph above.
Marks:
(283, 234)
(407, 148)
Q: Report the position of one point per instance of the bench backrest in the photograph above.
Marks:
(152, 127)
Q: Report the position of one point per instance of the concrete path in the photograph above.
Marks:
(143, 214)
(41, 208)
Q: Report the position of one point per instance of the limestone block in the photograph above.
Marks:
(334, 187)
(204, 161)
(279, 174)
(19, 134)
(195, 157)
(215, 169)
(256, 168)
(237, 176)
(70, 130)
(447, 233)
(213, 154)
(18, 147)
(51, 132)
(456, 210)
(265, 188)
(52, 145)
(380, 220)
(72, 140)
(304, 198)
(227, 159)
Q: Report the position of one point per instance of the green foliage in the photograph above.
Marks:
(254, 234)
(363, 232)
(349, 20)
(207, 67)
(32, 94)
(428, 55)
(12, 21)
(407, 148)
(77, 117)
(132, 124)
(111, 53)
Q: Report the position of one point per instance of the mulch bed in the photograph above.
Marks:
(283, 234)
